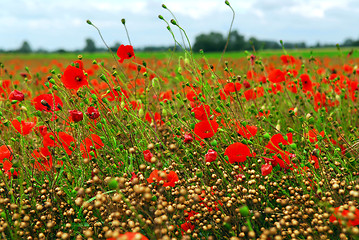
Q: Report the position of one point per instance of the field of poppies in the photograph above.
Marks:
(179, 148)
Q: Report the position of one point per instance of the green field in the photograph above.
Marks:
(305, 53)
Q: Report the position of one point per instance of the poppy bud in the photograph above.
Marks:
(76, 115)
(244, 211)
(92, 113)
(173, 22)
(211, 155)
(89, 22)
(141, 113)
(147, 155)
(16, 95)
(266, 169)
(188, 138)
(113, 184)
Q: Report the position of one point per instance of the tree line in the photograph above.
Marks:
(208, 42)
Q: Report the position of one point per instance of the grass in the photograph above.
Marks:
(305, 53)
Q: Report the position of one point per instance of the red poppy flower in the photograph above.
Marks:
(232, 87)
(79, 64)
(238, 152)
(168, 179)
(287, 59)
(313, 134)
(92, 113)
(247, 131)
(43, 159)
(187, 226)
(277, 139)
(74, 78)
(284, 160)
(188, 138)
(292, 87)
(147, 155)
(156, 118)
(254, 93)
(76, 115)
(7, 165)
(23, 128)
(211, 155)
(206, 129)
(42, 130)
(189, 214)
(130, 236)
(47, 102)
(125, 52)
(266, 169)
(5, 153)
(246, 84)
(90, 144)
(307, 85)
(202, 112)
(342, 214)
(62, 140)
(17, 95)
(276, 76)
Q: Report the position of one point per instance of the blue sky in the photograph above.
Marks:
(51, 24)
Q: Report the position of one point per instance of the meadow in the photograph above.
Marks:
(257, 145)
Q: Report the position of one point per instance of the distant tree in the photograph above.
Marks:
(90, 46)
(115, 46)
(212, 42)
(237, 42)
(25, 48)
(255, 43)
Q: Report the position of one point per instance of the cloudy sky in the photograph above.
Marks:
(52, 24)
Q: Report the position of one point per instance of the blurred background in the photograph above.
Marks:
(60, 26)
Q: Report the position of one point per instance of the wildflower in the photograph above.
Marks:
(266, 169)
(206, 129)
(129, 236)
(90, 144)
(47, 102)
(307, 85)
(201, 112)
(278, 139)
(92, 113)
(238, 152)
(276, 76)
(24, 128)
(187, 226)
(188, 138)
(76, 115)
(41, 130)
(125, 52)
(287, 59)
(147, 155)
(211, 155)
(61, 139)
(169, 179)
(74, 78)
(232, 87)
(5, 153)
(340, 214)
(247, 131)
(17, 95)
(43, 159)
